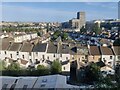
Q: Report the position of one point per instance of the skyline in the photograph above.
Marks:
(57, 12)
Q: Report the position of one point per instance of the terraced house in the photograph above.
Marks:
(34, 53)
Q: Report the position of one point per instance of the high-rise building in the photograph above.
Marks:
(81, 17)
(79, 22)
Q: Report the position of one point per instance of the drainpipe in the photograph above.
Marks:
(114, 62)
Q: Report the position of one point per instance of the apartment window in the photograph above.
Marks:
(66, 58)
(104, 60)
(36, 60)
(54, 55)
(110, 57)
(43, 56)
(109, 62)
(31, 60)
(93, 57)
(60, 55)
(73, 58)
(48, 57)
(23, 56)
(119, 57)
(64, 68)
(5, 53)
(30, 53)
(37, 53)
(17, 53)
(11, 55)
(85, 56)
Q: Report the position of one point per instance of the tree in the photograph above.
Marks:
(13, 66)
(13, 69)
(56, 67)
(56, 35)
(38, 33)
(42, 70)
(116, 42)
(117, 75)
(64, 36)
(41, 67)
(83, 30)
(96, 29)
(2, 65)
(92, 73)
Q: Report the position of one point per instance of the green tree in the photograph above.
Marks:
(12, 70)
(117, 42)
(41, 67)
(83, 30)
(56, 35)
(13, 66)
(38, 33)
(96, 29)
(2, 65)
(92, 72)
(42, 70)
(56, 67)
(64, 36)
(117, 75)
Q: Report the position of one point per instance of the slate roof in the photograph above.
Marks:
(40, 47)
(79, 50)
(15, 47)
(117, 50)
(52, 48)
(27, 47)
(64, 49)
(4, 43)
(106, 51)
(94, 50)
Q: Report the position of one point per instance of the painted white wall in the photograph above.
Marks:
(66, 67)
(25, 37)
(107, 58)
(2, 54)
(13, 53)
(64, 57)
(52, 56)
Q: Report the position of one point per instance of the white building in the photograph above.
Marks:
(117, 53)
(107, 56)
(24, 37)
(39, 53)
(25, 57)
